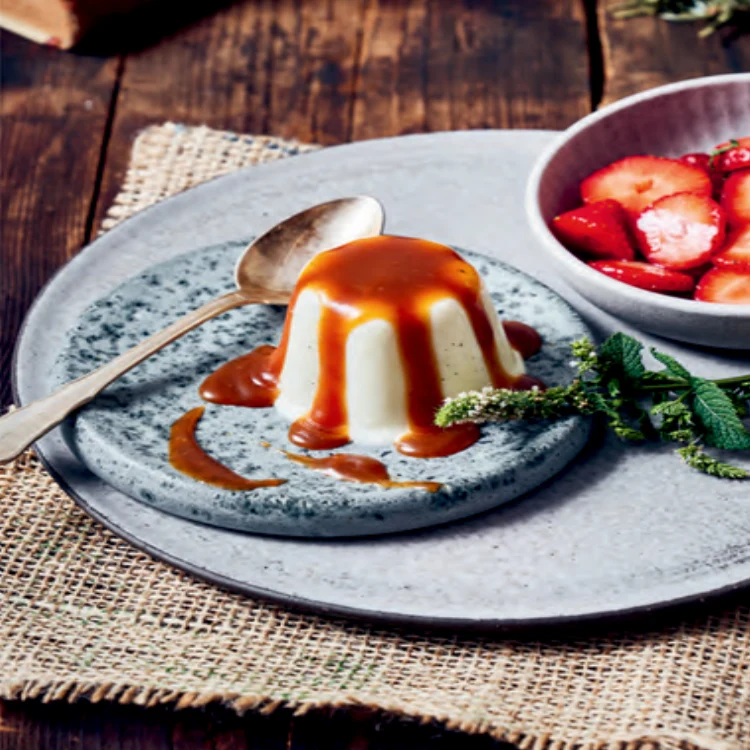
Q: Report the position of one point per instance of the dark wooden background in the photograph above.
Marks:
(325, 71)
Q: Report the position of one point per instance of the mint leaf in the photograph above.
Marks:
(623, 353)
(671, 366)
(717, 413)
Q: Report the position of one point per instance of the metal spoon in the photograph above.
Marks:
(266, 273)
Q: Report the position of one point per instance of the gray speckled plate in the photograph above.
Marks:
(620, 530)
(123, 435)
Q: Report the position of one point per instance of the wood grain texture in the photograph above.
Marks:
(327, 71)
(429, 65)
(640, 53)
(84, 727)
(54, 111)
(340, 70)
(59, 726)
(281, 67)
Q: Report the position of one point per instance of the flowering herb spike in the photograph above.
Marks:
(668, 404)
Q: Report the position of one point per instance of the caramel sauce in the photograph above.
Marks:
(433, 441)
(528, 383)
(396, 279)
(186, 455)
(524, 339)
(355, 468)
(245, 381)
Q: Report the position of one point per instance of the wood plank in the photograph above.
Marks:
(339, 70)
(640, 53)
(361, 729)
(219, 728)
(54, 109)
(430, 66)
(102, 726)
(84, 726)
(281, 67)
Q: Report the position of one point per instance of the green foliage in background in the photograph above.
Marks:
(715, 12)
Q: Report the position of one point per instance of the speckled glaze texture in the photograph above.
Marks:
(123, 434)
(666, 121)
(619, 529)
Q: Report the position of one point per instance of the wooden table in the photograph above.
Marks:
(325, 71)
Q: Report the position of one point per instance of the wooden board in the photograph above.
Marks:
(640, 53)
(430, 66)
(54, 109)
(341, 70)
(325, 71)
(277, 66)
(30, 726)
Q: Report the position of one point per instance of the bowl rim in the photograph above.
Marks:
(580, 268)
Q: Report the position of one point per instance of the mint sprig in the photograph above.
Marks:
(668, 404)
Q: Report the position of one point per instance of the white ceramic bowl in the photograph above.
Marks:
(667, 121)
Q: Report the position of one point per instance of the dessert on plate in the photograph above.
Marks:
(378, 333)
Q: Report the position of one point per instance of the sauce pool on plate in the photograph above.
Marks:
(355, 468)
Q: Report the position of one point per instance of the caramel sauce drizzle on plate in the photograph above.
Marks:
(187, 456)
(352, 467)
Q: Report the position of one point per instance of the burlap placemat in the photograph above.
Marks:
(86, 616)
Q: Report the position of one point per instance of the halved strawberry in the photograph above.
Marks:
(735, 197)
(732, 155)
(736, 251)
(681, 231)
(645, 276)
(637, 181)
(599, 229)
(724, 285)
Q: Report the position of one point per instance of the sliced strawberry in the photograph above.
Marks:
(732, 155)
(698, 271)
(697, 159)
(724, 285)
(637, 181)
(645, 276)
(736, 250)
(735, 197)
(681, 231)
(704, 162)
(599, 229)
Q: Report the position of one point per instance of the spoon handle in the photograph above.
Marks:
(21, 427)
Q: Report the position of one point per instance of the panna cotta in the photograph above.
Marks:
(378, 333)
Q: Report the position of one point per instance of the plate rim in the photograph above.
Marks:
(364, 617)
(370, 617)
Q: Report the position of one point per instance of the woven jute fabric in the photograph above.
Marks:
(85, 616)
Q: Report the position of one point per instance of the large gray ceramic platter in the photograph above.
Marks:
(620, 530)
(123, 434)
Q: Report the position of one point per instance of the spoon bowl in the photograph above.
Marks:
(270, 266)
(265, 273)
